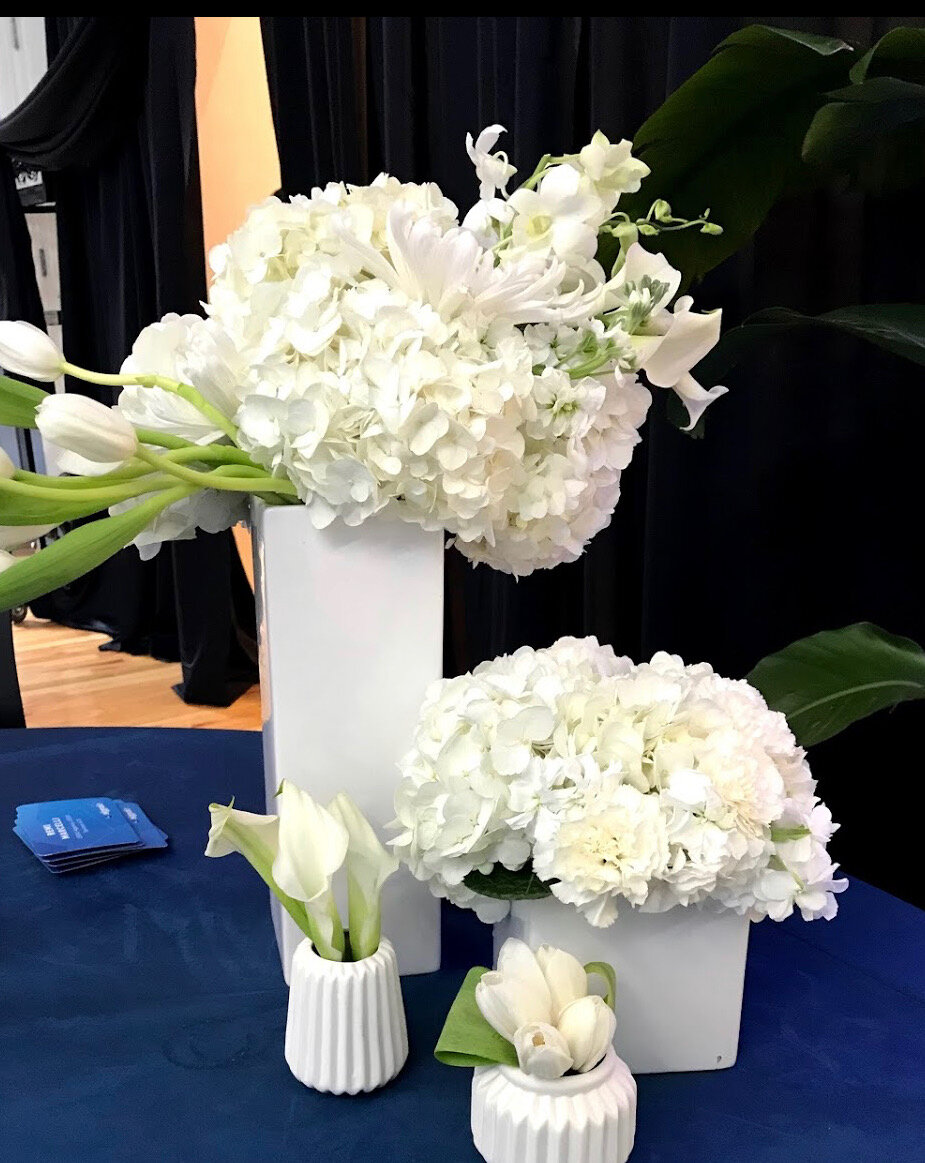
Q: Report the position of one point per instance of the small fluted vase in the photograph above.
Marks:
(581, 1118)
(345, 1031)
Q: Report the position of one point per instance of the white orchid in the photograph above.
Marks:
(26, 350)
(369, 864)
(610, 168)
(93, 438)
(493, 170)
(540, 1003)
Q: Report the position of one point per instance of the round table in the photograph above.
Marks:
(143, 1007)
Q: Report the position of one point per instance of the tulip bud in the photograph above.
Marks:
(542, 1051)
(565, 976)
(86, 427)
(588, 1026)
(26, 350)
(7, 468)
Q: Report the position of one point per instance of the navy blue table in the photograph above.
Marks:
(142, 1007)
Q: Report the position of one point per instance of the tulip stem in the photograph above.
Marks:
(211, 480)
(151, 483)
(184, 391)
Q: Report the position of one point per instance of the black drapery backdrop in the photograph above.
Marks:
(794, 514)
(113, 125)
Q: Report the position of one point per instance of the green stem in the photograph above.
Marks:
(212, 480)
(184, 391)
(153, 482)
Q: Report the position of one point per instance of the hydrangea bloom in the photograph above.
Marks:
(478, 378)
(653, 784)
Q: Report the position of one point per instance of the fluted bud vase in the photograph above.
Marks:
(581, 1118)
(345, 1031)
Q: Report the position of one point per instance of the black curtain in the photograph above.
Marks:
(113, 125)
(792, 515)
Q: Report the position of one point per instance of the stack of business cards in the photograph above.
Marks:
(70, 834)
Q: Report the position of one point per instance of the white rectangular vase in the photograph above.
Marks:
(350, 626)
(679, 977)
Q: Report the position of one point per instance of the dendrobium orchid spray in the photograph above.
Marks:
(365, 352)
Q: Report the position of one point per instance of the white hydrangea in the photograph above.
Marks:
(655, 784)
(477, 378)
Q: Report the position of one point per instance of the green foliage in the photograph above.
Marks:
(18, 402)
(501, 884)
(467, 1039)
(828, 681)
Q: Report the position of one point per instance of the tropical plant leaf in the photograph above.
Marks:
(467, 1039)
(900, 53)
(18, 402)
(896, 327)
(828, 681)
(502, 884)
(78, 551)
(729, 139)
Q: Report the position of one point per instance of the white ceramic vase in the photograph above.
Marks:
(680, 976)
(350, 625)
(345, 1030)
(582, 1118)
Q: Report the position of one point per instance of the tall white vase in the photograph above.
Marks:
(350, 625)
(679, 977)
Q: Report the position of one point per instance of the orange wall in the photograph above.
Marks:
(238, 161)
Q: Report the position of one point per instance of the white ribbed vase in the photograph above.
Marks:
(583, 1118)
(345, 1031)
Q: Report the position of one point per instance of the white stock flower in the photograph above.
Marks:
(655, 784)
(26, 350)
(494, 171)
(95, 438)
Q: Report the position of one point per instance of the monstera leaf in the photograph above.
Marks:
(828, 681)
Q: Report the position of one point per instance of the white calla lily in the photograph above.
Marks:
(26, 350)
(369, 865)
(312, 847)
(542, 1051)
(86, 429)
(565, 976)
(588, 1026)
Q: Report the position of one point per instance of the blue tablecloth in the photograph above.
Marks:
(142, 1008)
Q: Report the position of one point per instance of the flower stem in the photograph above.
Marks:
(152, 482)
(206, 480)
(184, 391)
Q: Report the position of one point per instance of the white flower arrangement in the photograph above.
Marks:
(575, 772)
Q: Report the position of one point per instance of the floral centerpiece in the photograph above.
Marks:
(573, 772)
(366, 352)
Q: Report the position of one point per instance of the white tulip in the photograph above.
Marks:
(369, 865)
(12, 536)
(516, 993)
(588, 1026)
(87, 429)
(542, 1051)
(25, 350)
(7, 468)
(565, 976)
(312, 847)
(6, 560)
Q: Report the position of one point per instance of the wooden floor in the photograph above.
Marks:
(66, 681)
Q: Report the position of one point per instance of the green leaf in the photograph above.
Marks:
(828, 681)
(605, 969)
(18, 402)
(502, 884)
(467, 1039)
(783, 835)
(901, 53)
(896, 327)
(78, 551)
(729, 138)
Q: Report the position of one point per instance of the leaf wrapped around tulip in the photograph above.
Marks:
(535, 1011)
(298, 852)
